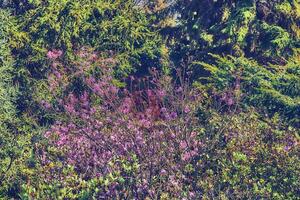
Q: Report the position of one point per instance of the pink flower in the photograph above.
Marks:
(183, 145)
(113, 89)
(192, 194)
(149, 93)
(65, 129)
(161, 93)
(57, 74)
(186, 156)
(70, 109)
(48, 134)
(163, 172)
(146, 123)
(143, 126)
(126, 106)
(90, 80)
(224, 97)
(54, 54)
(186, 109)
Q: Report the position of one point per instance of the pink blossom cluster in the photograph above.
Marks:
(104, 123)
(54, 54)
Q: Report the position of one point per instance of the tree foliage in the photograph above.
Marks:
(272, 90)
(7, 93)
(267, 31)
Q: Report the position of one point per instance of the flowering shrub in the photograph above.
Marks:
(149, 140)
(104, 128)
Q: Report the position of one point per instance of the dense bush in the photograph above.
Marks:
(103, 129)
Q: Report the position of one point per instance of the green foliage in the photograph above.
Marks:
(105, 25)
(267, 31)
(15, 134)
(7, 93)
(118, 29)
(238, 25)
(275, 38)
(74, 186)
(248, 158)
(270, 88)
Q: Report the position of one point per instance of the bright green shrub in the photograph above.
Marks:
(8, 137)
(7, 93)
(15, 137)
(116, 26)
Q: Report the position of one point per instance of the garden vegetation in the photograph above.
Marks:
(152, 99)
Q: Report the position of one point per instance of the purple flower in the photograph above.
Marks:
(45, 104)
(163, 172)
(179, 89)
(173, 115)
(230, 101)
(287, 148)
(163, 110)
